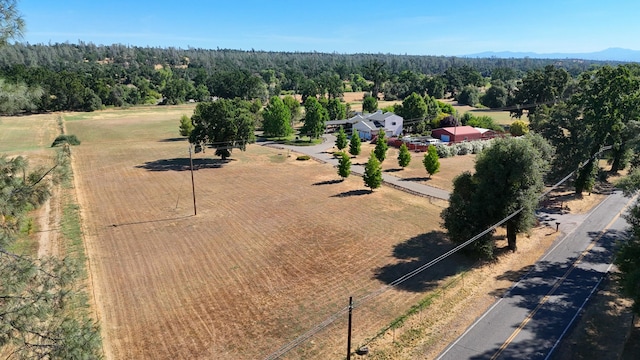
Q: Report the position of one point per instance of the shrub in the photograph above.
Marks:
(463, 148)
(477, 146)
(303, 157)
(444, 151)
(65, 139)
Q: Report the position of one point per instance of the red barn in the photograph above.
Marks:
(457, 134)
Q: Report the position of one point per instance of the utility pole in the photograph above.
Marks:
(193, 186)
(349, 331)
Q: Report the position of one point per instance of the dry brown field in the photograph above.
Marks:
(277, 245)
(29, 136)
(415, 171)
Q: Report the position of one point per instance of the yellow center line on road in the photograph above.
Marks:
(557, 284)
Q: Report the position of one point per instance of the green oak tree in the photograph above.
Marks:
(539, 87)
(414, 110)
(223, 124)
(376, 72)
(470, 95)
(277, 118)
(337, 109)
(508, 178)
(369, 104)
(495, 97)
(294, 108)
(315, 118)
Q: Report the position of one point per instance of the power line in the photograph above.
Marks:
(316, 329)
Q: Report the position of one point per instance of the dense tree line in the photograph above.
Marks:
(86, 77)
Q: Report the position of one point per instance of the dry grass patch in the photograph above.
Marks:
(277, 246)
(449, 167)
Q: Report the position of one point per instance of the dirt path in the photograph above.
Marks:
(49, 218)
(92, 270)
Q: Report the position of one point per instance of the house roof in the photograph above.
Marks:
(379, 115)
(460, 130)
(369, 124)
(376, 118)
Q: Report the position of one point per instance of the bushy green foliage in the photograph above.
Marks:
(336, 109)
(341, 139)
(65, 139)
(508, 177)
(431, 161)
(463, 148)
(381, 146)
(628, 256)
(277, 118)
(470, 95)
(344, 165)
(294, 107)
(484, 121)
(18, 97)
(186, 126)
(446, 108)
(225, 124)
(495, 97)
(404, 156)
(315, 118)
(369, 104)
(355, 144)
(372, 173)
(413, 108)
(39, 298)
(444, 151)
(303, 157)
(518, 128)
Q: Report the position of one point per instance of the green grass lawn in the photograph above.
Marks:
(499, 117)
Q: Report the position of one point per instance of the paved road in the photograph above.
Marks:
(533, 316)
(323, 153)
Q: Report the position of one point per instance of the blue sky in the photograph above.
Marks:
(397, 27)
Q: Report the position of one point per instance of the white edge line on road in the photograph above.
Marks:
(517, 283)
(575, 316)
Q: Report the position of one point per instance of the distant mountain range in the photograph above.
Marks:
(610, 54)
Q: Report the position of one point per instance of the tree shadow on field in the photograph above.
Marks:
(329, 182)
(183, 164)
(393, 170)
(417, 252)
(352, 193)
(418, 179)
(176, 139)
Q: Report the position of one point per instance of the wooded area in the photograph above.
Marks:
(86, 77)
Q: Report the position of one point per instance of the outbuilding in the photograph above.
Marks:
(456, 134)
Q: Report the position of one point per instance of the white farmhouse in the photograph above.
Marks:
(368, 125)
